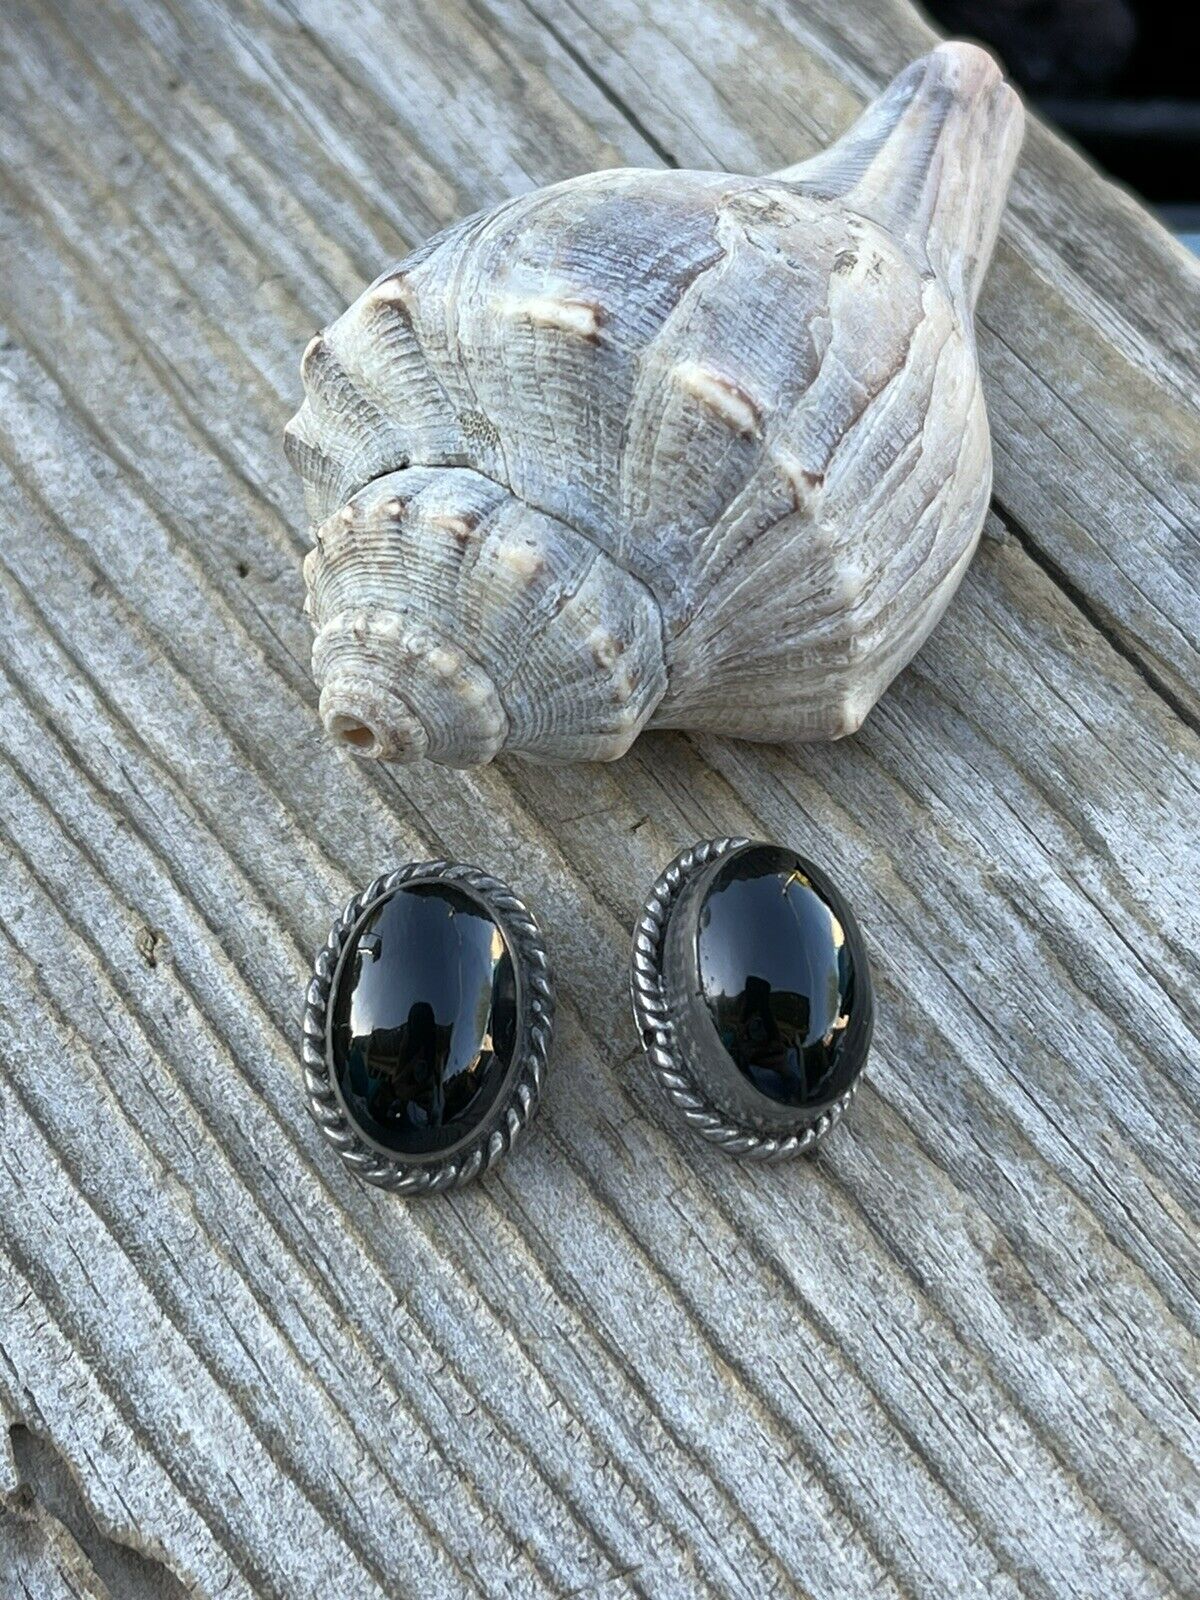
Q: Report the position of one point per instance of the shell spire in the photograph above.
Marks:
(661, 448)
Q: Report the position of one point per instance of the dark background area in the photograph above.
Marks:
(1120, 77)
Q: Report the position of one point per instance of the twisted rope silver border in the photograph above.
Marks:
(657, 1032)
(415, 1177)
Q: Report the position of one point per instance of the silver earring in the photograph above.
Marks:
(752, 996)
(426, 1027)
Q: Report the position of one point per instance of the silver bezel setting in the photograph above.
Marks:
(652, 1014)
(415, 1175)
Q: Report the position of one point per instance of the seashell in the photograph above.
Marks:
(677, 449)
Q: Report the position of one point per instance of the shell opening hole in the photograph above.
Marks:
(349, 731)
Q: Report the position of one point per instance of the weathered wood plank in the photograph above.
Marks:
(953, 1355)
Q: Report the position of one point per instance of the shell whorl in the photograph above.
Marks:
(668, 448)
(454, 620)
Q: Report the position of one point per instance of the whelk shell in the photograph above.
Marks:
(661, 448)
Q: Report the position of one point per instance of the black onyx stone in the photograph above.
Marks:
(423, 1019)
(784, 976)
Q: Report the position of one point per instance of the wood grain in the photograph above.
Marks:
(955, 1354)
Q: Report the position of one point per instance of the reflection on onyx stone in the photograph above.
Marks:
(423, 1019)
(784, 976)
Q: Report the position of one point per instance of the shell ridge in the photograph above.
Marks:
(407, 500)
(711, 537)
(332, 393)
(624, 675)
(920, 543)
(977, 504)
(550, 515)
(932, 506)
(366, 384)
(842, 612)
(533, 636)
(714, 263)
(533, 505)
(720, 621)
(892, 394)
(890, 482)
(598, 553)
(777, 441)
(454, 249)
(490, 223)
(454, 345)
(462, 644)
(434, 272)
(563, 400)
(729, 600)
(875, 401)
(752, 229)
(462, 637)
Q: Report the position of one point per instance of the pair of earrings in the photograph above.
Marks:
(429, 1014)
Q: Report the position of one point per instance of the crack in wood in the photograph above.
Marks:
(49, 1489)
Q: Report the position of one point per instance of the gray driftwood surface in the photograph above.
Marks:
(953, 1355)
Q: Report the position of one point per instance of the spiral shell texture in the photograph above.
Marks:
(680, 449)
